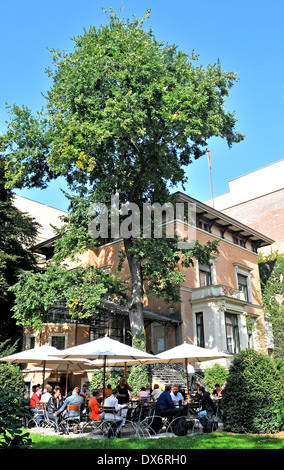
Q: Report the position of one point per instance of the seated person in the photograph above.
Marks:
(112, 401)
(207, 405)
(84, 392)
(156, 392)
(181, 390)
(54, 403)
(165, 405)
(94, 406)
(74, 399)
(176, 395)
(47, 394)
(217, 392)
(34, 401)
(149, 390)
(144, 394)
(108, 391)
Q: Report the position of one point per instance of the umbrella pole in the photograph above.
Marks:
(125, 371)
(43, 375)
(104, 379)
(187, 381)
(66, 387)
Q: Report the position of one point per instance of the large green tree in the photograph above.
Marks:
(125, 115)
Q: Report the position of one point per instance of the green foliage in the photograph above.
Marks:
(271, 268)
(82, 290)
(216, 374)
(254, 386)
(12, 406)
(125, 114)
(112, 378)
(17, 232)
(11, 413)
(278, 409)
(125, 111)
(10, 374)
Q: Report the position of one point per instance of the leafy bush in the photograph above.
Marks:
(112, 378)
(12, 404)
(278, 409)
(11, 412)
(213, 375)
(254, 386)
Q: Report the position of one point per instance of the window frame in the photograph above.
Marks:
(200, 337)
(64, 335)
(232, 321)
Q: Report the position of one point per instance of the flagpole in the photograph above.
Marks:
(209, 165)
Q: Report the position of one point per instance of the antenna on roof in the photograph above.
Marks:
(209, 165)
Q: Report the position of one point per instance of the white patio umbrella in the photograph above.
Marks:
(190, 353)
(37, 356)
(48, 355)
(105, 348)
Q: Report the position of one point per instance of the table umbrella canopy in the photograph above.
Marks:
(34, 355)
(35, 370)
(48, 355)
(190, 353)
(104, 348)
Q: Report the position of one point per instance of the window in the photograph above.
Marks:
(58, 340)
(243, 281)
(243, 285)
(30, 341)
(200, 330)
(115, 326)
(232, 333)
(205, 275)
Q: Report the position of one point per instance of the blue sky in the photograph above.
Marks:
(246, 35)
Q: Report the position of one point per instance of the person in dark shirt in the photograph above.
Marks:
(165, 405)
(207, 405)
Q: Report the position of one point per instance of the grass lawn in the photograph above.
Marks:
(215, 440)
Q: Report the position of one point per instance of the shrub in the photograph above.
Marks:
(278, 409)
(12, 403)
(11, 412)
(112, 378)
(253, 388)
(213, 375)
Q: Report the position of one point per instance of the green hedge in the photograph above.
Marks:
(254, 386)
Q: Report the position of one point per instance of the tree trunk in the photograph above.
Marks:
(136, 301)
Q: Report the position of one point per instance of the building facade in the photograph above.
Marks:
(257, 200)
(220, 307)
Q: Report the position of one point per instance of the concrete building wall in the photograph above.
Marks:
(44, 215)
(257, 200)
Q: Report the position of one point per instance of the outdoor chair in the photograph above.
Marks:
(71, 420)
(154, 423)
(33, 421)
(112, 425)
(193, 424)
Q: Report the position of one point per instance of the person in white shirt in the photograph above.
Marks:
(47, 394)
(176, 395)
(190, 372)
(144, 394)
(112, 401)
(156, 392)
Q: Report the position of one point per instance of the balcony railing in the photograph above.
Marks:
(218, 290)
